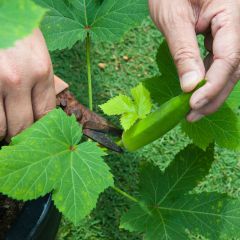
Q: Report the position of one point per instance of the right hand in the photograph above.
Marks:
(219, 20)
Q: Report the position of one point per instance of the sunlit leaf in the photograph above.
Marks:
(49, 157)
(70, 21)
(18, 18)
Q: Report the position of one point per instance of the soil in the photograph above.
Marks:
(9, 210)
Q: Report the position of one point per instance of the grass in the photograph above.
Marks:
(139, 46)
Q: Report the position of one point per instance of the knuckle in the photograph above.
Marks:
(13, 79)
(184, 53)
(43, 70)
(180, 16)
(221, 20)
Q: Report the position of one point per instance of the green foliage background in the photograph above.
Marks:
(140, 45)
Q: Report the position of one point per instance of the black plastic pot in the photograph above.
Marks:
(39, 220)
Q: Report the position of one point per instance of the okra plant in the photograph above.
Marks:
(52, 156)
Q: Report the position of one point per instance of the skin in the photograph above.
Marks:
(219, 20)
(28, 87)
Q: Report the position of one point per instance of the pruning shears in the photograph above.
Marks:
(94, 126)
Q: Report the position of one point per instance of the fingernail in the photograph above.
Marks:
(194, 116)
(200, 103)
(189, 81)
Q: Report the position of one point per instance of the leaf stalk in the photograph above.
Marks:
(126, 195)
(89, 73)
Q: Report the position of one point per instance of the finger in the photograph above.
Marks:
(3, 123)
(185, 51)
(43, 98)
(213, 106)
(18, 108)
(178, 26)
(226, 51)
(60, 85)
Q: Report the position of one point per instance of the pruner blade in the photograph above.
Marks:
(94, 126)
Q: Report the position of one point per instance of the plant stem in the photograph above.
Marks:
(126, 195)
(89, 74)
(119, 143)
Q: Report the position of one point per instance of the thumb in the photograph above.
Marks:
(184, 48)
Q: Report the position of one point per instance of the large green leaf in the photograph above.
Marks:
(234, 98)
(18, 18)
(222, 127)
(167, 209)
(47, 157)
(70, 21)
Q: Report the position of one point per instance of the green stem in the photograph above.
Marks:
(89, 75)
(126, 195)
(119, 143)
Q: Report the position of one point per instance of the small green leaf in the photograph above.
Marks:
(130, 110)
(118, 105)
(142, 100)
(18, 18)
(167, 209)
(70, 21)
(48, 157)
(128, 119)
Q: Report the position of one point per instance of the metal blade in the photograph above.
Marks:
(102, 139)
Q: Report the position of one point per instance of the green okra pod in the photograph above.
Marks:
(158, 123)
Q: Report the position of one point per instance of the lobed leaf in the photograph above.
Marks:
(70, 21)
(128, 119)
(18, 18)
(130, 110)
(234, 99)
(118, 105)
(142, 100)
(167, 209)
(223, 127)
(48, 157)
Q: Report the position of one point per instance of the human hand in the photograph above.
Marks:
(26, 84)
(219, 21)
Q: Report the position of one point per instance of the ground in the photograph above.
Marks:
(123, 65)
